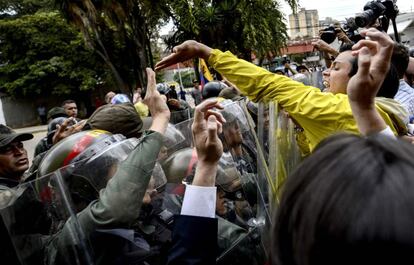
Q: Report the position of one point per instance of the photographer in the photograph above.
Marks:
(288, 68)
(328, 53)
(377, 14)
(328, 35)
(405, 94)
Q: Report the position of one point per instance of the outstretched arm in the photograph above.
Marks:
(253, 81)
(120, 202)
(307, 105)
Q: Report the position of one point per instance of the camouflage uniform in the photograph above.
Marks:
(118, 206)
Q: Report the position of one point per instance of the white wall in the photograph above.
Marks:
(2, 119)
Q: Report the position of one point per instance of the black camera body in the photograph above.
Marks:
(350, 28)
(384, 10)
(374, 9)
(328, 34)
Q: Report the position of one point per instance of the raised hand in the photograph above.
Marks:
(206, 127)
(156, 104)
(187, 50)
(322, 46)
(342, 36)
(374, 59)
(64, 130)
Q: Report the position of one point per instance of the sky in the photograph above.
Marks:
(336, 9)
(340, 9)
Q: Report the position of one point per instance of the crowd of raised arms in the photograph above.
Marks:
(154, 180)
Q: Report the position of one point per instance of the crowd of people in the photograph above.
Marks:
(152, 180)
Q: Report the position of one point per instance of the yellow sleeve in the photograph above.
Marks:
(320, 114)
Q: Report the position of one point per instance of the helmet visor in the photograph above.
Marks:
(102, 165)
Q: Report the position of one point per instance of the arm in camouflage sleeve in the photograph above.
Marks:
(117, 207)
(119, 203)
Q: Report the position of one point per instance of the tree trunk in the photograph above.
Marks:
(104, 54)
(149, 51)
(118, 78)
(196, 70)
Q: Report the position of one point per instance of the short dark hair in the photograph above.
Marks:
(354, 61)
(351, 202)
(400, 59)
(346, 47)
(391, 84)
(68, 101)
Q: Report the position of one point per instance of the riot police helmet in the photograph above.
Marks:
(163, 88)
(87, 160)
(212, 89)
(180, 166)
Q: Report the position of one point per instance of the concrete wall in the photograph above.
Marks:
(19, 112)
(2, 118)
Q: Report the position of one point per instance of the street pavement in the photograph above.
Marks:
(38, 132)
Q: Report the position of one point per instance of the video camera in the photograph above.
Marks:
(329, 34)
(384, 10)
(374, 9)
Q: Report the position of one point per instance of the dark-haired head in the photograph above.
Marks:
(400, 59)
(389, 87)
(351, 202)
(68, 101)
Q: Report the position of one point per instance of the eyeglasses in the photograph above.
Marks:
(10, 148)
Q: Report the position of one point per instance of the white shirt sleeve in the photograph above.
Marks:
(199, 201)
(410, 128)
(387, 132)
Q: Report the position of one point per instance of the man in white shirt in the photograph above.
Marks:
(197, 220)
(405, 94)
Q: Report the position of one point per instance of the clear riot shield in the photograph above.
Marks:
(265, 180)
(316, 78)
(42, 224)
(280, 137)
(117, 184)
(240, 138)
(185, 129)
(236, 181)
(246, 247)
(87, 212)
(277, 137)
(174, 139)
(238, 239)
(178, 116)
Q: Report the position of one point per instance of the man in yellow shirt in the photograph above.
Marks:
(320, 114)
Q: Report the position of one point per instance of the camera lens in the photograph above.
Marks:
(328, 36)
(360, 21)
(372, 11)
(365, 18)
